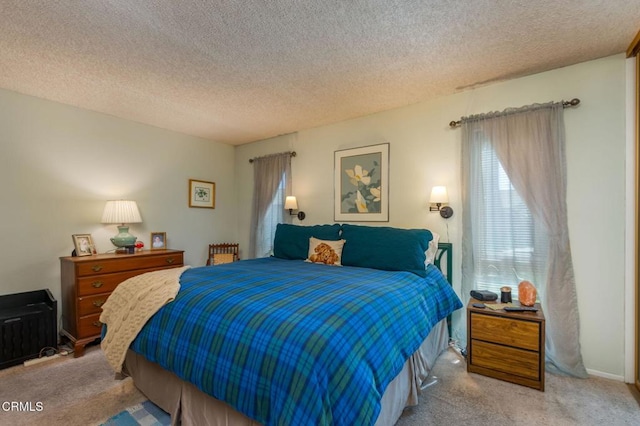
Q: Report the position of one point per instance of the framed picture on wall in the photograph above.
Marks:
(361, 184)
(158, 240)
(202, 194)
(83, 244)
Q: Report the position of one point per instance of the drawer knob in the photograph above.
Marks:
(97, 284)
(96, 324)
(170, 260)
(96, 268)
(98, 303)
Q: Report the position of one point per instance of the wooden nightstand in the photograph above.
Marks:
(506, 345)
(87, 281)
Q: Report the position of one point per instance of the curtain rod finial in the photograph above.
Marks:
(573, 102)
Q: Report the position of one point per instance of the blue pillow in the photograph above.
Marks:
(389, 249)
(292, 241)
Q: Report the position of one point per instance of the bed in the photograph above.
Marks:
(283, 341)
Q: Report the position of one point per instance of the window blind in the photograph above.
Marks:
(511, 247)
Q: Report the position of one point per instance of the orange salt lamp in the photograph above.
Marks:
(527, 293)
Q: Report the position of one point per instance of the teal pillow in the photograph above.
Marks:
(389, 249)
(292, 241)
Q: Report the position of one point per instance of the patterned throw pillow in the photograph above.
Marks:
(325, 251)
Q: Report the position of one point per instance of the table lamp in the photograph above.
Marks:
(122, 212)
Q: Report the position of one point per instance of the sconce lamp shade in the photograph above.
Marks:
(290, 203)
(439, 195)
(122, 212)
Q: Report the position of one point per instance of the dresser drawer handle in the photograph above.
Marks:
(96, 268)
(97, 284)
(98, 303)
(170, 260)
(96, 324)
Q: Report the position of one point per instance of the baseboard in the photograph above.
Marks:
(616, 377)
(30, 362)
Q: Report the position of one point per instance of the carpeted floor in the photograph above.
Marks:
(73, 391)
(471, 399)
(82, 391)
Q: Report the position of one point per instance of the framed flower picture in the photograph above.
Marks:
(202, 194)
(361, 184)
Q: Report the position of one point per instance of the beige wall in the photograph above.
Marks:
(60, 164)
(424, 152)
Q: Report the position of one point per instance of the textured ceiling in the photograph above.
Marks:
(240, 71)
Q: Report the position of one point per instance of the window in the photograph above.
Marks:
(271, 181)
(271, 218)
(506, 240)
(510, 247)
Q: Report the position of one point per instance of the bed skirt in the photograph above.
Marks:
(190, 406)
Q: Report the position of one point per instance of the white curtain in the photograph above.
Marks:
(529, 144)
(271, 184)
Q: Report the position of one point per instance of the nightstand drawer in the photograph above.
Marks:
(507, 360)
(506, 331)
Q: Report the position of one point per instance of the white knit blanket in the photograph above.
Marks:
(131, 305)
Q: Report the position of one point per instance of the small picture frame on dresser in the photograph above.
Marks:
(83, 244)
(158, 240)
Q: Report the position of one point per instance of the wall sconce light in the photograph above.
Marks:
(439, 197)
(291, 204)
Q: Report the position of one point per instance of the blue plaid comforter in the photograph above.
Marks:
(292, 343)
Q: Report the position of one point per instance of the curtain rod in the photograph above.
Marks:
(292, 153)
(571, 103)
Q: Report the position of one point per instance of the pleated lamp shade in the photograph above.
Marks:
(121, 211)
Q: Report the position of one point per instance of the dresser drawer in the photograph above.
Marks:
(506, 331)
(108, 266)
(89, 326)
(104, 283)
(91, 304)
(505, 359)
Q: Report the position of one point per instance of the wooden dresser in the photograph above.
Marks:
(506, 345)
(87, 281)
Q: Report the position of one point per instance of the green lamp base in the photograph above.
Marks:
(124, 239)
